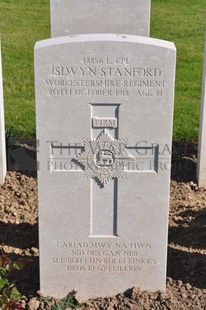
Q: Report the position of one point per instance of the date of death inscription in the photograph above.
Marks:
(104, 256)
(106, 77)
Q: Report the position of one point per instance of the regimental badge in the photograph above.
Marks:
(104, 158)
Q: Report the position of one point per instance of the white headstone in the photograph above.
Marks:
(2, 129)
(201, 163)
(103, 16)
(104, 106)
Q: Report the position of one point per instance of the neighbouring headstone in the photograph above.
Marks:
(103, 16)
(104, 106)
(201, 163)
(2, 129)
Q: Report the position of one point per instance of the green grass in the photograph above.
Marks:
(23, 22)
(184, 23)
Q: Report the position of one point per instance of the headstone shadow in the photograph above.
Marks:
(187, 247)
(191, 230)
(27, 279)
(187, 267)
(184, 161)
(21, 236)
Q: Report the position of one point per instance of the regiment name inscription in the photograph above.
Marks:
(95, 80)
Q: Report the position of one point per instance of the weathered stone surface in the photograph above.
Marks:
(201, 165)
(2, 129)
(104, 106)
(103, 16)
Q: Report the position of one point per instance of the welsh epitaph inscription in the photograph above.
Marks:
(104, 108)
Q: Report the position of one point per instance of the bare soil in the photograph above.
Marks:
(186, 274)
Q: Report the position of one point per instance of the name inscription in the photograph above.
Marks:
(107, 78)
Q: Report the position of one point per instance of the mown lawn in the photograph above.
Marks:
(23, 22)
(184, 23)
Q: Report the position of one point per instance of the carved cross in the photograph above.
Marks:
(105, 159)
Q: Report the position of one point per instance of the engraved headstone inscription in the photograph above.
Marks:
(104, 106)
(103, 16)
(2, 129)
(201, 164)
